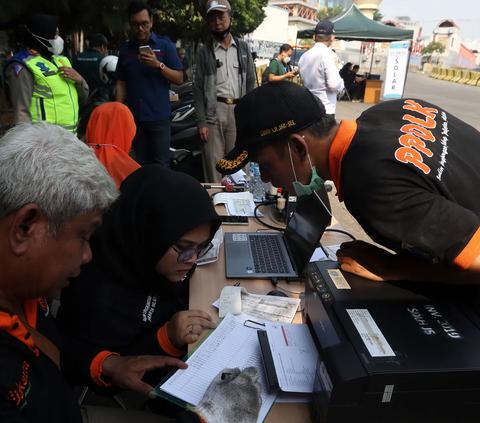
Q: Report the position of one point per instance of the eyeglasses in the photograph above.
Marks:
(214, 18)
(185, 255)
(136, 26)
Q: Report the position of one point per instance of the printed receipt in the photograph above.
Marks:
(263, 308)
(231, 345)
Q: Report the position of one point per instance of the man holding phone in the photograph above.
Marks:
(146, 65)
(277, 70)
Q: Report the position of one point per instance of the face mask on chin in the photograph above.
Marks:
(315, 181)
(221, 35)
(286, 60)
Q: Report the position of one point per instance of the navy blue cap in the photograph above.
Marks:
(325, 28)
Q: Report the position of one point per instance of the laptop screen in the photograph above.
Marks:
(306, 227)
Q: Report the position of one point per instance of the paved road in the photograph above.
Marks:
(463, 101)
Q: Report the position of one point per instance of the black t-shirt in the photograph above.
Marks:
(349, 79)
(410, 178)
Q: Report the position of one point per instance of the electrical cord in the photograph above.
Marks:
(290, 291)
(341, 232)
(265, 203)
(274, 281)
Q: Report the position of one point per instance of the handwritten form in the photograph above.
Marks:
(231, 345)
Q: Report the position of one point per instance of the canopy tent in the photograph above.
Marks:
(353, 25)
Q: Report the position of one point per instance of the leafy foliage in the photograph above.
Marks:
(328, 13)
(434, 47)
(377, 16)
(180, 19)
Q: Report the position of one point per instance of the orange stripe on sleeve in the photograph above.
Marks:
(166, 344)
(470, 253)
(96, 367)
(339, 147)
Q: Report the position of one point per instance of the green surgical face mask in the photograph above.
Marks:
(315, 182)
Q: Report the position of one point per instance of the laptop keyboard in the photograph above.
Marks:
(267, 254)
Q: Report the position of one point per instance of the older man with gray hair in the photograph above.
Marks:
(53, 192)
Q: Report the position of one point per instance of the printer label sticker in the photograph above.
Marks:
(338, 279)
(387, 393)
(370, 333)
(327, 382)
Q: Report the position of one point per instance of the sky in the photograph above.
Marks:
(465, 13)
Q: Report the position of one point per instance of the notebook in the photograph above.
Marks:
(266, 255)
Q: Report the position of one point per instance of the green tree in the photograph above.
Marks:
(377, 16)
(307, 42)
(434, 47)
(176, 18)
(328, 13)
(185, 18)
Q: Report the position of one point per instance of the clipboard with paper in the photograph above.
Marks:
(232, 344)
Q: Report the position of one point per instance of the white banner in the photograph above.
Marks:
(397, 64)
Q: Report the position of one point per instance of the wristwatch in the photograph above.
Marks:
(161, 66)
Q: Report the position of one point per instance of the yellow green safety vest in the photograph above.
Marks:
(55, 99)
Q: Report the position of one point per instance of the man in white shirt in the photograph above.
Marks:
(318, 68)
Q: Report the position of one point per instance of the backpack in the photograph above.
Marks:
(266, 73)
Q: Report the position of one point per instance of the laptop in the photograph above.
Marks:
(267, 255)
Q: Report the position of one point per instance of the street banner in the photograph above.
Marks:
(397, 64)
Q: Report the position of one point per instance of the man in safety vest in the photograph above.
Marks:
(43, 84)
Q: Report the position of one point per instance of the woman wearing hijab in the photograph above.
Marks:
(132, 298)
(43, 84)
(346, 68)
(110, 132)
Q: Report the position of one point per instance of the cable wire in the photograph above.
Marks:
(265, 203)
(290, 291)
(341, 231)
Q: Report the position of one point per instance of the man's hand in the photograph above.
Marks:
(203, 132)
(368, 261)
(233, 396)
(70, 73)
(127, 372)
(290, 75)
(185, 326)
(149, 59)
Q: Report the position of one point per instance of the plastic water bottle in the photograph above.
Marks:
(251, 179)
(259, 187)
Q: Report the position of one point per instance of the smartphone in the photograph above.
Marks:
(144, 49)
(234, 220)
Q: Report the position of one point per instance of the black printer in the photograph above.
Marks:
(388, 354)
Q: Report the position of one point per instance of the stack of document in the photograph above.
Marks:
(260, 308)
(212, 255)
(234, 344)
(236, 203)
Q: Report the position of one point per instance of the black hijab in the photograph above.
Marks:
(44, 26)
(157, 206)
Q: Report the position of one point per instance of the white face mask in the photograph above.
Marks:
(286, 60)
(56, 45)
